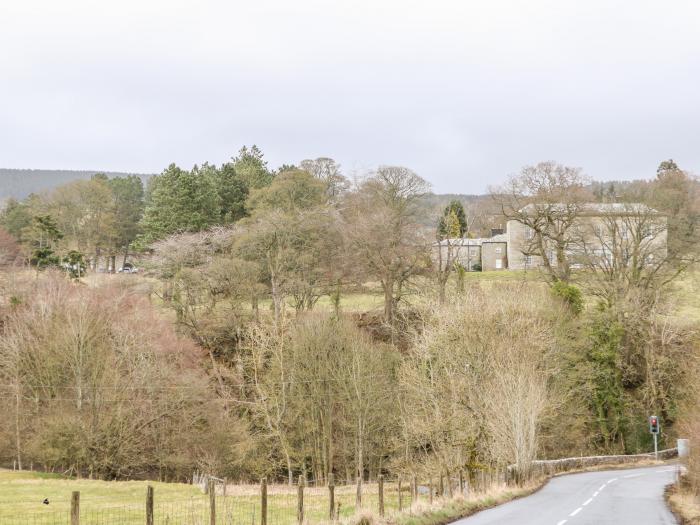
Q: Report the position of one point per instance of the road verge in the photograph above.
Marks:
(446, 511)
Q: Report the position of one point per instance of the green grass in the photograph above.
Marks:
(686, 295)
(123, 502)
(503, 275)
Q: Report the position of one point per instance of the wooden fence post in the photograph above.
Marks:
(358, 494)
(149, 505)
(300, 501)
(461, 482)
(331, 496)
(75, 508)
(380, 482)
(414, 489)
(430, 489)
(400, 497)
(212, 502)
(263, 501)
(449, 483)
(441, 486)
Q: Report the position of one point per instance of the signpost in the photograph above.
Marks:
(654, 429)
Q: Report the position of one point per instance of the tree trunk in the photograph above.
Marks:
(359, 453)
(276, 299)
(329, 454)
(290, 475)
(388, 286)
(18, 441)
(254, 305)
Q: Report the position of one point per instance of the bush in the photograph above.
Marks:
(570, 294)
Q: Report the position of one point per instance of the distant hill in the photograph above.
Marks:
(20, 183)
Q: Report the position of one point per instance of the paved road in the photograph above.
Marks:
(620, 497)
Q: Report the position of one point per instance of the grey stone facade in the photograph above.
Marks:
(494, 255)
(506, 250)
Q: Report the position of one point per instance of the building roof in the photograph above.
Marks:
(458, 241)
(597, 208)
(501, 237)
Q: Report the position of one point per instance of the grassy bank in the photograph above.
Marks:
(684, 505)
(444, 512)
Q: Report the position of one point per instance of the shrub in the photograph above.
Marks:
(115, 391)
(570, 294)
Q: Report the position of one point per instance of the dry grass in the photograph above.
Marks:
(447, 511)
(685, 506)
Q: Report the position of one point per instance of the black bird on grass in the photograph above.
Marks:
(46, 501)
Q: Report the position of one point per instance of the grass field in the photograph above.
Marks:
(686, 295)
(123, 502)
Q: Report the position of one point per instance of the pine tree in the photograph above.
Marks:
(180, 200)
(445, 228)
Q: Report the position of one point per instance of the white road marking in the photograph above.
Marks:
(633, 475)
(602, 487)
(587, 501)
(561, 522)
(612, 480)
(596, 493)
(667, 470)
(576, 512)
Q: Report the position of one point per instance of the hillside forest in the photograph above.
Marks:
(294, 321)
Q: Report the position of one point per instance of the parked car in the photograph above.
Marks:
(128, 268)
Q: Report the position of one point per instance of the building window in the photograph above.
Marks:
(499, 264)
(529, 233)
(528, 260)
(498, 249)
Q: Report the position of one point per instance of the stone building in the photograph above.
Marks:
(600, 230)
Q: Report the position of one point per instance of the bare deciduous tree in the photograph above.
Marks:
(328, 171)
(624, 248)
(547, 199)
(477, 382)
(381, 222)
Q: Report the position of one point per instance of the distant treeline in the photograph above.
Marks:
(19, 184)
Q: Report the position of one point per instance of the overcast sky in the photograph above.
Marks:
(463, 92)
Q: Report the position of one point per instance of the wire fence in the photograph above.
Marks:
(221, 504)
(216, 502)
